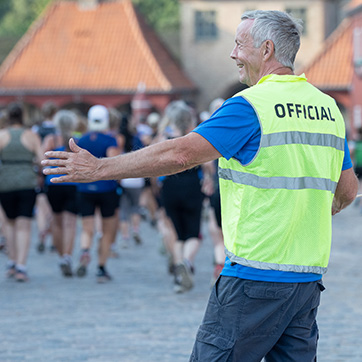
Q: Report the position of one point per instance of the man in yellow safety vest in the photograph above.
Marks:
(284, 170)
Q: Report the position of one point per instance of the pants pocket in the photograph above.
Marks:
(211, 347)
(263, 308)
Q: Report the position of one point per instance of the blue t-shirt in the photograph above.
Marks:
(97, 144)
(234, 130)
(48, 178)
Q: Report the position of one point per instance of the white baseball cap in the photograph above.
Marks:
(98, 118)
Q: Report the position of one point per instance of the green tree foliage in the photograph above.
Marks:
(162, 15)
(17, 15)
(5, 5)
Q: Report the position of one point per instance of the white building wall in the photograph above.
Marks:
(208, 62)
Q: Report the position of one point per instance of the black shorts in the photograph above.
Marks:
(183, 199)
(358, 172)
(18, 203)
(106, 201)
(63, 198)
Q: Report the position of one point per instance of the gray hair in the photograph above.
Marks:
(49, 109)
(115, 118)
(279, 27)
(66, 122)
(180, 116)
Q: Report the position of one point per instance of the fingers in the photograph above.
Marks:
(52, 162)
(56, 180)
(73, 146)
(56, 154)
(55, 171)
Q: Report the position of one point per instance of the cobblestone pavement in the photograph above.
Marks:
(137, 317)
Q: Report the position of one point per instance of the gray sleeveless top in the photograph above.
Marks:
(16, 167)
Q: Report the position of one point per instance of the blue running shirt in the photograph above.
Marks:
(97, 144)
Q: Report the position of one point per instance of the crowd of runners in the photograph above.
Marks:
(110, 212)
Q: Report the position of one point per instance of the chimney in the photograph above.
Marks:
(140, 104)
(88, 4)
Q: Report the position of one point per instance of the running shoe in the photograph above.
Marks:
(66, 268)
(83, 263)
(103, 276)
(21, 276)
(137, 238)
(183, 279)
(41, 247)
(10, 271)
(42, 237)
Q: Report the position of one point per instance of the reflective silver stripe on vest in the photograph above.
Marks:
(272, 266)
(288, 183)
(305, 138)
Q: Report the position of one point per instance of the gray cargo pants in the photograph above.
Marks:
(247, 320)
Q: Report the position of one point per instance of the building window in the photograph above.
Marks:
(205, 25)
(357, 50)
(357, 116)
(299, 13)
(357, 45)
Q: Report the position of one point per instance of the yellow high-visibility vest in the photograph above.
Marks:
(276, 210)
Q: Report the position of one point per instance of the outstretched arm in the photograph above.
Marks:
(346, 191)
(163, 158)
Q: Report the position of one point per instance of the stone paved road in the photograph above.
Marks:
(340, 313)
(137, 317)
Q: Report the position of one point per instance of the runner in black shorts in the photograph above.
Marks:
(62, 197)
(43, 214)
(99, 194)
(19, 147)
(183, 200)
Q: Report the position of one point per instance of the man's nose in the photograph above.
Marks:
(232, 54)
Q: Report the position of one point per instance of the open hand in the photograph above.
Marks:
(76, 166)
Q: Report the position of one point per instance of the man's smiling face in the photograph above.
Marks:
(247, 57)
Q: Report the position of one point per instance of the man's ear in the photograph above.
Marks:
(267, 49)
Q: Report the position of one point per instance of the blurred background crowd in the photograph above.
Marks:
(109, 212)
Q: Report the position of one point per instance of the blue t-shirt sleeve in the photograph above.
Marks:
(233, 130)
(347, 162)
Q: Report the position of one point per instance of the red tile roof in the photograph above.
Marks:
(332, 69)
(105, 49)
